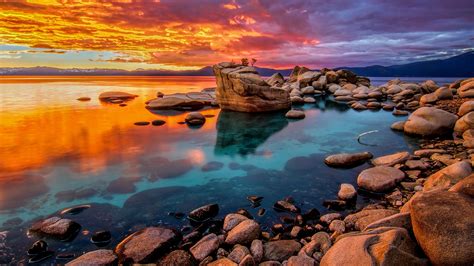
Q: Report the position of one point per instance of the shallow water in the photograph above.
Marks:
(57, 152)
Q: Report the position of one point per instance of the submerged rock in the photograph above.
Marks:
(398, 126)
(240, 88)
(204, 213)
(56, 227)
(116, 95)
(38, 247)
(347, 159)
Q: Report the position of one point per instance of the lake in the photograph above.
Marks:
(57, 152)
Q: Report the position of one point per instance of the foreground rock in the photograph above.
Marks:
(101, 257)
(177, 257)
(448, 176)
(204, 213)
(295, 114)
(347, 159)
(240, 88)
(195, 119)
(347, 192)
(392, 159)
(116, 95)
(280, 250)
(379, 178)
(360, 220)
(205, 247)
(146, 245)
(244, 233)
(381, 246)
(183, 101)
(443, 225)
(430, 121)
(56, 227)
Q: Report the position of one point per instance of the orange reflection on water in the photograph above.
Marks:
(42, 122)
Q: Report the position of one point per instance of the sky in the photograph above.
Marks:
(190, 34)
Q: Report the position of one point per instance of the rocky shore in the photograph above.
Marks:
(425, 200)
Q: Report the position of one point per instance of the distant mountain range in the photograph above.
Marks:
(457, 66)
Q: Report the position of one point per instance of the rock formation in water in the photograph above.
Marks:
(240, 88)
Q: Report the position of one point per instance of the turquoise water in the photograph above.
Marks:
(91, 153)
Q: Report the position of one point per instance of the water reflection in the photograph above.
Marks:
(242, 133)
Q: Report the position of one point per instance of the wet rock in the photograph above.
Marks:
(240, 88)
(114, 95)
(395, 220)
(348, 159)
(379, 178)
(232, 220)
(441, 223)
(256, 249)
(381, 246)
(212, 166)
(295, 114)
(311, 214)
(177, 257)
(392, 159)
(430, 121)
(101, 238)
(146, 245)
(204, 213)
(245, 213)
(301, 260)
(328, 218)
(101, 257)
(83, 99)
(280, 250)
(38, 247)
(205, 247)
(158, 122)
(347, 192)
(448, 176)
(464, 123)
(360, 220)
(141, 123)
(238, 253)
(283, 205)
(244, 233)
(254, 199)
(56, 227)
(195, 119)
(398, 126)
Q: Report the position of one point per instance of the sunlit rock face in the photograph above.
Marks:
(240, 88)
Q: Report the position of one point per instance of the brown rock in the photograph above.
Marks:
(465, 122)
(244, 233)
(467, 90)
(347, 159)
(398, 126)
(205, 247)
(466, 107)
(222, 262)
(448, 176)
(280, 250)
(392, 159)
(177, 257)
(256, 248)
(347, 192)
(56, 227)
(430, 121)
(360, 220)
(379, 178)
(101, 257)
(301, 260)
(395, 220)
(113, 95)
(240, 88)
(232, 220)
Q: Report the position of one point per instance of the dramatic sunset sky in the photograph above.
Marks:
(189, 34)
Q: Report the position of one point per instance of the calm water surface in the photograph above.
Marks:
(57, 152)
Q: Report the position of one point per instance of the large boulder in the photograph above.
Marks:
(347, 159)
(443, 225)
(430, 121)
(379, 178)
(380, 246)
(448, 176)
(465, 122)
(146, 245)
(240, 88)
(467, 89)
(101, 257)
(276, 80)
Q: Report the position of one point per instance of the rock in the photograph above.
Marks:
(114, 95)
(331, 76)
(244, 233)
(205, 247)
(394, 89)
(443, 225)
(344, 98)
(381, 246)
(307, 90)
(465, 186)
(466, 107)
(212, 166)
(329, 217)
(448, 176)
(280, 250)
(360, 220)
(283, 205)
(295, 114)
(256, 248)
(392, 159)
(141, 123)
(320, 84)
(388, 106)
(347, 159)
(56, 227)
(374, 105)
(177, 257)
(204, 213)
(83, 99)
(400, 113)
(305, 79)
(347, 192)
(232, 220)
(395, 220)
(183, 101)
(146, 245)
(97, 257)
(158, 122)
(195, 118)
(276, 80)
(296, 100)
(238, 253)
(379, 178)
(38, 247)
(221, 262)
(430, 121)
(468, 135)
(240, 88)
(416, 164)
(309, 100)
(444, 93)
(465, 122)
(101, 237)
(247, 261)
(358, 106)
(301, 260)
(398, 126)
(428, 152)
(337, 226)
(466, 90)
(342, 92)
(428, 98)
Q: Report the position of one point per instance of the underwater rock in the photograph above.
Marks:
(204, 213)
(56, 227)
